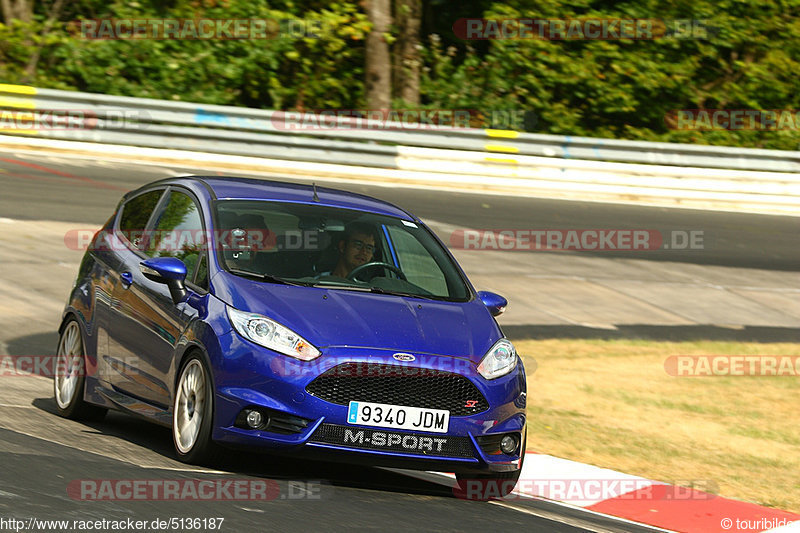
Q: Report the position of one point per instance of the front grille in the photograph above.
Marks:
(399, 385)
(388, 440)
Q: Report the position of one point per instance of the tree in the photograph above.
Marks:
(407, 60)
(378, 61)
(17, 9)
(52, 16)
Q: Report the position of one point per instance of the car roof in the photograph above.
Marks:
(230, 188)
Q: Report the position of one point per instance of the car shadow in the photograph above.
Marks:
(36, 344)
(145, 434)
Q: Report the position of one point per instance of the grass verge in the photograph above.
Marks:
(611, 403)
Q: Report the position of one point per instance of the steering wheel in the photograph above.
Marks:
(359, 269)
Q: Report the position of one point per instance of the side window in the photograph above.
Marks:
(417, 264)
(178, 232)
(136, 213)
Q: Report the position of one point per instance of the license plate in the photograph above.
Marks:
(398, 417)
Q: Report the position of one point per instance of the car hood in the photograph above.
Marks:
(334, 317)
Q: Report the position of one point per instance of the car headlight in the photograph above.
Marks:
(499, 360)
(268, 333)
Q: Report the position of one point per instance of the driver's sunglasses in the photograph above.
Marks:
(359, 245)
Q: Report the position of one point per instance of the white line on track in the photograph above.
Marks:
(448, 480)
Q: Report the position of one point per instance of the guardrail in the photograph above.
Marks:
(508, 161)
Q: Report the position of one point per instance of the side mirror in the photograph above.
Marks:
(170, 271)
(495, 303)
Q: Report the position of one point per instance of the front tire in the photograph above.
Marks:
(69, 377)
(193, 413)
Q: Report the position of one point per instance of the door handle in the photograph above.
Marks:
(126, 278)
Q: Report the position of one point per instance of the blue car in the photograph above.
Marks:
(292, 319)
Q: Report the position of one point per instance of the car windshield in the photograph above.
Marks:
(319, 246)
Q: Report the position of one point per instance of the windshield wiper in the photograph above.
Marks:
(329, 285)
(379, 290)
(264, 277)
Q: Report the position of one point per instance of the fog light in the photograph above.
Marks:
(254, 419)
(508, 444)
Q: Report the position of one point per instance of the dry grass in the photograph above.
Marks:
(612, 404)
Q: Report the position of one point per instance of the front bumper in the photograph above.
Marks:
(251, 376)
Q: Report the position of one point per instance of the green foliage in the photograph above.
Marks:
(626, 88)
(279, 72)
(613, 89)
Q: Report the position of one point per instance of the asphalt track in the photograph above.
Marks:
(42, 453)
(81, 190)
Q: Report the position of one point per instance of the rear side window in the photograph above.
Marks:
(178, 232)
(136, 213)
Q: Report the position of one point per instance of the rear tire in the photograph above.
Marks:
(193, 413)
(69, 377)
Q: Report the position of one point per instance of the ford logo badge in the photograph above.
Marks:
(404, 357)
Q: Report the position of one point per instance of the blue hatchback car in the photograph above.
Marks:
(295, 319)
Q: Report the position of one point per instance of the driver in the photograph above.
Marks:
(356, 248)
